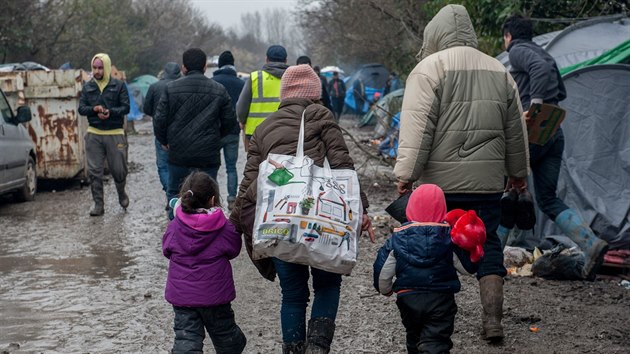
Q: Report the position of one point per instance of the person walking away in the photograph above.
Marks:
(193, 115)
(325, 98)
(420, 256)
(226, 76)
(261, 93)
(171, 72)
(300, 93)
(358, 91)
(337, 89)
(199, 243)
(461, 127)
(105, 102)
(539, 81)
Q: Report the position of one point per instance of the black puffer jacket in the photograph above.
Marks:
(194, 113)
(114, 97)
(171, 72)
(227, 77)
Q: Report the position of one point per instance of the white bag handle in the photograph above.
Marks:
(300, 148)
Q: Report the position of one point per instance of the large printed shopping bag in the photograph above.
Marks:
(307, 214)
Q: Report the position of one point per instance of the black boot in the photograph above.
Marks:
(123, 199)
(319, 335)
(96, 186)
(293, 348)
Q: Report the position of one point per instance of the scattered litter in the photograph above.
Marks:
(518, 261)
(534, 329)
(625, 284)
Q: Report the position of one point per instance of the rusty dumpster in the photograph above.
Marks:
(56, 127)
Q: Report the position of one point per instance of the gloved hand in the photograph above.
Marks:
(467, 232)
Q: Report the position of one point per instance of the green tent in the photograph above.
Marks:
(143, 82)
(617, 55)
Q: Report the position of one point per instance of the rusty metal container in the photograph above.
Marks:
(56, 128)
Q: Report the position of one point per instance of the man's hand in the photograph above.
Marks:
(98, 109)
(366, 225)
(528, 120)
(404, 187)
(104, 114)
(514, 182)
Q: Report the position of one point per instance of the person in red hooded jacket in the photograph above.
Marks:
(420, 256)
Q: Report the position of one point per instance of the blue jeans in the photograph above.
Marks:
(177, 175)
(545, 162)
(161, 160)
(295, 296)
(230, 153)
(488, 209)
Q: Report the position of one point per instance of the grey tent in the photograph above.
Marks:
(583, 40)
(595, 174)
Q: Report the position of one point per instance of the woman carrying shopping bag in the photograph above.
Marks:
(279, 134)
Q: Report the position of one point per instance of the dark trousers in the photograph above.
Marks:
(190, 322)
(429, 319)
(337, 105)
(488, 209)
(545, 162)
(99, 148)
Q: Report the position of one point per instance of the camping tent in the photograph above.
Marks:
(374, 78)
(582, 41)
(382, 115)
(595, 173)
(138, 91)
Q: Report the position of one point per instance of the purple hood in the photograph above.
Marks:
(200, 247)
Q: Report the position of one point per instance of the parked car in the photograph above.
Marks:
(17, 152)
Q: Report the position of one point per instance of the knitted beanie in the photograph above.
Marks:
(426, 204)
(226, 58)
(300, 81)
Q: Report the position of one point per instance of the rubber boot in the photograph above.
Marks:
(593, 247)
(123, 199)
(98, 209)
(319, 335)
(293, 348)
(491, 291)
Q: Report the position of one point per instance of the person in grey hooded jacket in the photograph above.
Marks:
(171, 72)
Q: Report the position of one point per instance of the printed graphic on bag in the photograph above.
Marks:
(279, 231)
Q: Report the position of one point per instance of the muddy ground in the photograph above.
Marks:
(70, 283)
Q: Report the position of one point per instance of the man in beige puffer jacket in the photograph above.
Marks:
(461, 128)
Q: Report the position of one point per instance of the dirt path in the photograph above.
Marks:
(71, 283)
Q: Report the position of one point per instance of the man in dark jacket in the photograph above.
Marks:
(170, 73)
(325, 98)
(226, 76)
(337, 89)
(261, 94)
(193, 115)
(539, 81)
(105, 102)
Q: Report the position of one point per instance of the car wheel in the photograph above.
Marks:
(27, 192)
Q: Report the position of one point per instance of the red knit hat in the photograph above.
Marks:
(300, 81)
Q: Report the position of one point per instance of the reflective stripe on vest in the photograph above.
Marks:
(265, 99)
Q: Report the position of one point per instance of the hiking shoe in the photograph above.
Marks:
(508, 208)
(525, 213)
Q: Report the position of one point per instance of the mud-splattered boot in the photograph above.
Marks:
(491, 292)
(123, 199)
(98, 209)
(319, 335)
(293, 348)
(593, 247)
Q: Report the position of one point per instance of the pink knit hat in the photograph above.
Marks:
(300, 81)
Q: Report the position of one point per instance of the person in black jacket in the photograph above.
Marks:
(539, 81)
(194, 114)
(105, 102)
(171, 72)
(325, 97)
(226, 76)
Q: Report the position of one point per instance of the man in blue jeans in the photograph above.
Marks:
(171, 72)
(226, 76)
(193, 115)
(539, 81)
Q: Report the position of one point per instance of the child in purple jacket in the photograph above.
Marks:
(199, 243)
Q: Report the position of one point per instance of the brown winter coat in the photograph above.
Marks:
(279, 134)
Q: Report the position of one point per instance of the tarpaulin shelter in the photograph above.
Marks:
(138, 88)
(374, 78)
(595, 174)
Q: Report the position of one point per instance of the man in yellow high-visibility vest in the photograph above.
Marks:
(261, 94)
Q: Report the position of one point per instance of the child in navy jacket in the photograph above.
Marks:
(419, 255)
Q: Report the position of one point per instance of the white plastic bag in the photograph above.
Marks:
(307, 214)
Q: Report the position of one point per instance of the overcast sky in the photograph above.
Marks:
(227, 13)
